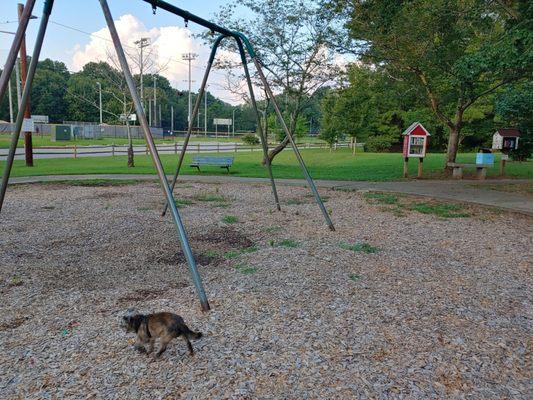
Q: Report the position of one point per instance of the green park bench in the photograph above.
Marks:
(222, 162)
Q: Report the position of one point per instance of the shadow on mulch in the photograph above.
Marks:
(13, 323)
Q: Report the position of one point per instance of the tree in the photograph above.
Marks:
(454, 52)
(513, 109)
(292, 39)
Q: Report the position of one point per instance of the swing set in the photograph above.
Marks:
(245, 49)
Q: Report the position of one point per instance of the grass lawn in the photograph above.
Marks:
(337, 165)
(43, 141)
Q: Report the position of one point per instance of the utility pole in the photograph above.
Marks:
(142, 43)
(150, 112)
(10, 101)
(189, 57)
(155, 100)
(233, 122)
(172, 120)
(205, 114)
(100, 98)
(28, 148)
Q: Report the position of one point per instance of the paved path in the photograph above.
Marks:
(469, 191)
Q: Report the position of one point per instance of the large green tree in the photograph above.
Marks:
(453, 52)
(292, 39)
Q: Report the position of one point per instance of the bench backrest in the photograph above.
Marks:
(213, 160)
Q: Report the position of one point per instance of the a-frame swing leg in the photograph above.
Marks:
(155, 157)
(47, 10)
(15, 47)
(195, 111)
(293, 144)
(264, 142)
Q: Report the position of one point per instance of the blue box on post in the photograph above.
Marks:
(485, 158)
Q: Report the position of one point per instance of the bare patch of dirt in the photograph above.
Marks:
(225, 236)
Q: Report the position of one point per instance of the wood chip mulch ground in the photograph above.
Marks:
(405, 305)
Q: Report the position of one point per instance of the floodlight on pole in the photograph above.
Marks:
(189, 57)
(141, 44)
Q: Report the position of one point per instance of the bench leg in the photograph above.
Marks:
(197, 167)
(481, 173)
(457, 173)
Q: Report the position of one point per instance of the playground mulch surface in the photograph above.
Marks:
(398, 302)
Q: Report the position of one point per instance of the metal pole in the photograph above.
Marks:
(15, 46)
(293, 144)
(19, 89)
(100, 96)
(28, 146)
(10, 95)
(155, 100)
(155, 157)
(196, 108)
(259, 125)
(25, 95)
(172, 120)
(205, 113)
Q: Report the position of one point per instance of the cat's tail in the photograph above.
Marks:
(184, 330)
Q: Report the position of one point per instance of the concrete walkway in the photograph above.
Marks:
(469, 191)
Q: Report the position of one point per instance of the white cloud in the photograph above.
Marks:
(167, 46)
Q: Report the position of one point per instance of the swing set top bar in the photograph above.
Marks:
(187, 16)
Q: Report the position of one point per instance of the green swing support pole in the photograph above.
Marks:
(182, 234)
(195, 111)
(47, 10)
(264, 142)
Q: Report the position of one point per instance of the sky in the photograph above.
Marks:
(77, 34)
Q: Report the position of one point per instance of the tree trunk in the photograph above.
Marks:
(278, 149)
(453, 140)
(131, 163)
(453, 145)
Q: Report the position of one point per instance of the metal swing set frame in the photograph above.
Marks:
(244, 47)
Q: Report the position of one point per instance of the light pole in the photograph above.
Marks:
(189, 57)
(142, 43)
(205, 114)
(233, 123)
(100, 100)
(155, 100)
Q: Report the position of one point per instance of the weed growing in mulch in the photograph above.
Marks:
(394, 204)
(359, 247)
(237, 253)
(441, 210)
(287, 243)
(245, 269)
(230, 219)
(183, 202)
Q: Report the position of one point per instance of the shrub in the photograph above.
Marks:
(522, 153)
(379, 144)
(250, 139)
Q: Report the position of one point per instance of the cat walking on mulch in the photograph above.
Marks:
(164, 326)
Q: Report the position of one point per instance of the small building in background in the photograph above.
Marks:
(415, 141)
(505, 139)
